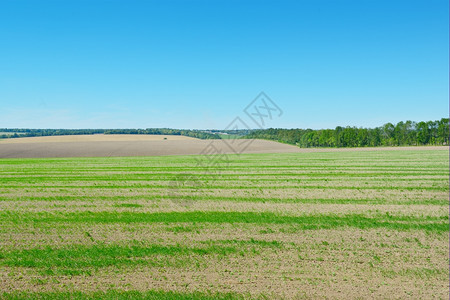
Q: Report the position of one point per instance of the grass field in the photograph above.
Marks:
(359, 224)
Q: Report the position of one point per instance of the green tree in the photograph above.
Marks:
(423, 133)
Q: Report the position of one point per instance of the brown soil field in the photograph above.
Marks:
(131, 145)
(96, 138)
(100, 145)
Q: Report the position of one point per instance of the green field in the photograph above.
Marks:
(367, 224)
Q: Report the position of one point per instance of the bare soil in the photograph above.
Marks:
(130, 145)
(100, 145)
(96, 138)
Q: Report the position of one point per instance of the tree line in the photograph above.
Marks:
(407, 133)
(166, 131)
(20, 132)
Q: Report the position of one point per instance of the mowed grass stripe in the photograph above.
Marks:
(79, 259)
(97, 255)
(126, 295)
(244, 177)
(384, 159)
(117, 199)
(82, 259)
(228, 173)
(218, 186)
(319, 221)
(295, 168)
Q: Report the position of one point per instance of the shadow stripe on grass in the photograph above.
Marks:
(319, 221)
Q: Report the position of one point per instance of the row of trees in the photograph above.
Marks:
(25, 132)
(20, 132)
(401, 134)
(166, 131)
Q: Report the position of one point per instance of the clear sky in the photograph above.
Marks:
(197, 64)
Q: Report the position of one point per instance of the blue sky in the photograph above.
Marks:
(197, 64)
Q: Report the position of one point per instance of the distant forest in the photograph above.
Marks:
(15, 132)
(407, 133)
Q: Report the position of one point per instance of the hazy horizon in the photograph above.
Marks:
(216, 129)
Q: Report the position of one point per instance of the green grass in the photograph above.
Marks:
(81, 259)
(124, 295)
(304, 222)
(115, 199)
